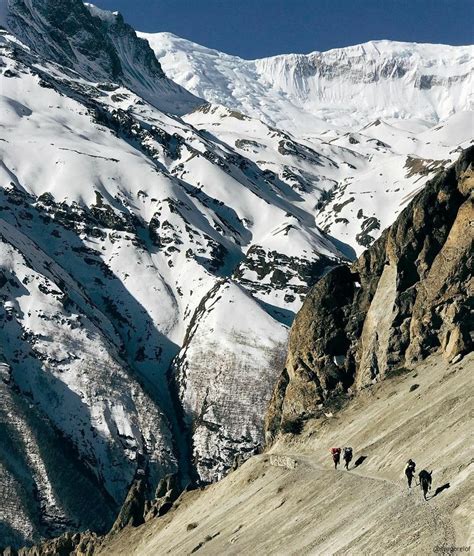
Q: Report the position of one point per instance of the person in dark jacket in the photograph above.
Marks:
(425, 481)
(410, 471)
(347, 457)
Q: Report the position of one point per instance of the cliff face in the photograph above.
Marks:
(406, 297)
(222, 414)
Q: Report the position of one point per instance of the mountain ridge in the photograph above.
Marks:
(85, 39)
(373, 42)
(294, 91)
(136, 242)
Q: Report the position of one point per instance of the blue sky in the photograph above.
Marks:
(256, 28)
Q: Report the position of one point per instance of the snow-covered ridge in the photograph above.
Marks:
(97, 44)
(341, 88)
(105, 15)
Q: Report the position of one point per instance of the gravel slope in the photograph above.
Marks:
(290, 501)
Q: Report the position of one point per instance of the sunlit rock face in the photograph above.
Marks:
(405, 298)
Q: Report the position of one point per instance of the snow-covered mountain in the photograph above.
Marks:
(120, 224)
(154, 250)
(96, 44)
(372, 174)
(399, 111)
(344, 88)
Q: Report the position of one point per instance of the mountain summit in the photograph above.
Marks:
(343, 89)
(98, 45)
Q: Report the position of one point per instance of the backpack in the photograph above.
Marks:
(348, 452)
(335, 451)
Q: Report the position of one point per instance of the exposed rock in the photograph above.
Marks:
(79, 544)
(96, 43)
(310, 372)
(368, 225)
(313, 509)
(262, 272)
(222, 415)
(166, 494)
(405, 298)
(283, 461)
(133, 509)
(422, 166)
(64, 31)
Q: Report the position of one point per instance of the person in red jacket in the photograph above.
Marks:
(336, 456)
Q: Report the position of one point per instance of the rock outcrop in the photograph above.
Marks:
(406, 297)
(136, 510)
(167, 492)
(133, 508)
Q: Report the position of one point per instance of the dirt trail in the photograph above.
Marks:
(409, 502)
(292, 501)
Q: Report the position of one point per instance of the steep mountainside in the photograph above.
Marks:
(98, 45)
(291, 501)
(406, 301)
(406, 297)
(122, 226)
(341, 89)
(153, 253)
(355, 183)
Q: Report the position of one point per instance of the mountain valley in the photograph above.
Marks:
(165, 211)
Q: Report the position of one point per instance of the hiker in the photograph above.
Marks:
(424, 477)
(336, 456)
(347, 456)
(410, 471)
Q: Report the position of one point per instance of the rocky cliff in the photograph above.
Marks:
(405, 298)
